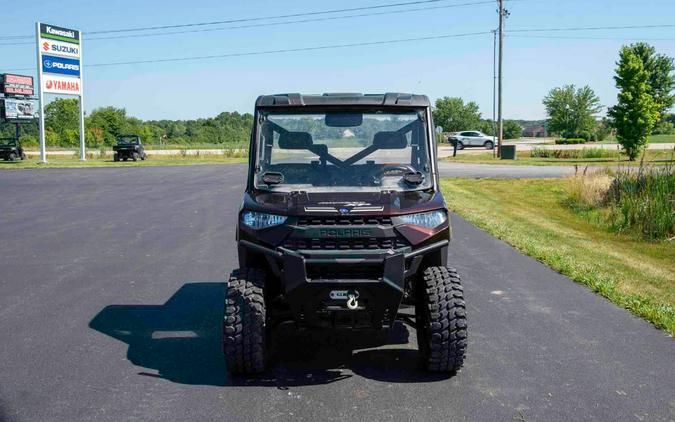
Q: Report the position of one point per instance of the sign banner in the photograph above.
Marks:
(58, 33)
(15, 109)
(58, 48)
(61, 85)
(16, 85)
(60, 65)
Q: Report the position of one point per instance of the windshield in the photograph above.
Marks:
(342, 152)
(131, 140)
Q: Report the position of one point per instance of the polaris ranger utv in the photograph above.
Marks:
(11, 150)
(129, 147)
(343, 221)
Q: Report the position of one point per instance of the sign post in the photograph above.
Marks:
(41, 98)
(59, 60)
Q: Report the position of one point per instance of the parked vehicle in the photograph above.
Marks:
(343, 221)
(11, 150)
(129, 147)
(472, 139)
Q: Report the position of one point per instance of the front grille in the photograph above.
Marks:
(344, 244)
(355, 220)
(342, 271)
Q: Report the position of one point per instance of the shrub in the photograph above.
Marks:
(570, 141)
(573, 153)
(644, 202)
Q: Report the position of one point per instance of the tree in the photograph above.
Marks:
(636, 112)
(512, 130)
(112, 121)
(661, 75)
(62, 118)
(453, 115)
(570, 110)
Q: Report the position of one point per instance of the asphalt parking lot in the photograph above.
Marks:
(111, 285)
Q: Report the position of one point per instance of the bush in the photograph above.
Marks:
(573, 153)
(570, 141)
(644, 202)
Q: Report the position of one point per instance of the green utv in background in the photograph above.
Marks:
(11, 150)
(129, 147)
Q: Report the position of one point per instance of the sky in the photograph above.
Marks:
(534, 63)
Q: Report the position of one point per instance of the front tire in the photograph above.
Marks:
(441, 320)
(12, 156)
(460, 145)
(134, 156)
(244, 322)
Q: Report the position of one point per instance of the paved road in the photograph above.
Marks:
(110, 298)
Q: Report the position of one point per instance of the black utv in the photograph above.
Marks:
(343, 222)
(11, 150)
(129, 147)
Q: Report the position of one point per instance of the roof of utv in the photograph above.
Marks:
(390, 99)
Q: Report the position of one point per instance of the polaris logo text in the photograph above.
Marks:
(359, 232)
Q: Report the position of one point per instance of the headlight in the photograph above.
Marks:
(426, 219)
(259, 220)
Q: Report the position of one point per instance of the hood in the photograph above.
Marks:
(344, 203)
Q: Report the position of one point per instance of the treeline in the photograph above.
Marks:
(104, 124)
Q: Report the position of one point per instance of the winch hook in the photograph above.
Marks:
(352, 303)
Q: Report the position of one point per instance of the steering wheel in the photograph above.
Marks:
(401, 169)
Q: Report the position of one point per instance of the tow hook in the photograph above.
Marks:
(352, 303)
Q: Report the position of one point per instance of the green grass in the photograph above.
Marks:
(534, 216)
(59, 161)
(524, 158)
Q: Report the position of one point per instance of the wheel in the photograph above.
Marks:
(144, 156)
(489, 145)
(244, 322)
(134, 156)
(116, 157)
(441, 320)
(12, 156)
(460, 145)
(125, 158)
(23, 156)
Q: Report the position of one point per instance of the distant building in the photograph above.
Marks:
(535, 132)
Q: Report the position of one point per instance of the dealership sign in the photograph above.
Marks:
(57, 33)
(60, 48)
(15, 109)
(16, 85)
(61, 85)
(60, 65)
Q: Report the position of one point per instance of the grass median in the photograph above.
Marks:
(73, 161)
(535, 217)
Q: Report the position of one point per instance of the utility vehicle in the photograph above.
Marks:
(129, 147)
(343, 222)
(11, 150)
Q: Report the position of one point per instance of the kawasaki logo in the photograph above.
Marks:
(356, 232)
(61, 32)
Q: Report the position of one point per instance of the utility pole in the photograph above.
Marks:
(502, 14)
(494, 88)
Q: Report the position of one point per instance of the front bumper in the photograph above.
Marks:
(317, 296)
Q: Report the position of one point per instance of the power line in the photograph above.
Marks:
(588, 38)
(285, 50)
(591, 28)
(257, 18)
(331, 18)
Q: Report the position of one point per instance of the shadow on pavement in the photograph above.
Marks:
(180, 340)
